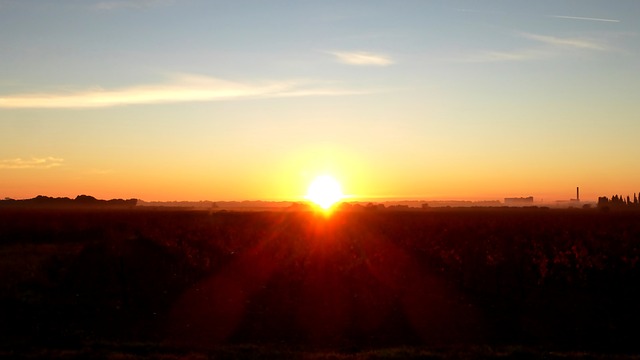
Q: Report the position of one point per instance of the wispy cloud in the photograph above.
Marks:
(301, 92)
(503, 56)
(362, 58)
(33, 163)
(564, 42)
(548, 47)
(130, 4)
(583, 18)
(182, 88)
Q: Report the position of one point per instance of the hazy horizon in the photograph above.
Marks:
(348, 199)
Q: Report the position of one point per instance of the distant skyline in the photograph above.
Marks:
(251, 100)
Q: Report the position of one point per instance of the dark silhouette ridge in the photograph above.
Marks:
(81, 201)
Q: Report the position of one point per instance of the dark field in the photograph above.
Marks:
(448, 283)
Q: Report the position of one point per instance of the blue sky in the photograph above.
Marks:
(252, 99)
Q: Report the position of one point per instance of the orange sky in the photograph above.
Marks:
(170, 100)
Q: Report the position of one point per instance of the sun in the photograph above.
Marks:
(324, 191)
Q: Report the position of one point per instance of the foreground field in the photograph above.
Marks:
(361, 284)
(153, 351)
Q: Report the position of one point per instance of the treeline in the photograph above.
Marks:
(41, 201)
(618, 201)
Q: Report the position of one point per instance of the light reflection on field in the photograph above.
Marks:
(320, 280)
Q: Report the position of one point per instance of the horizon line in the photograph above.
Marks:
(348, 199)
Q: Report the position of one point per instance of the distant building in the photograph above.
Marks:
(577, 199)
(519, 200)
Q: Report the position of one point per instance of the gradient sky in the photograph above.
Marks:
(246, 100)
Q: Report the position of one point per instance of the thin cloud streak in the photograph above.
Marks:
(33, 163)
(322, 92)
(361, 58)
(184, 88)
(584, 18)
(543, 51)
(564, 42)
(503, 56)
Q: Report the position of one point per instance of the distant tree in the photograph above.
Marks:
(371, 206)
(618, 201)
(85, 199)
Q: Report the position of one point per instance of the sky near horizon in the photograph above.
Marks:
(248, 100)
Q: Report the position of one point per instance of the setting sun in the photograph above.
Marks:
(324, 191)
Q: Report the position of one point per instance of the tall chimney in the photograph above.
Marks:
(578, 193)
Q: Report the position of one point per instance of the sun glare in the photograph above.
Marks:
(324, 191)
